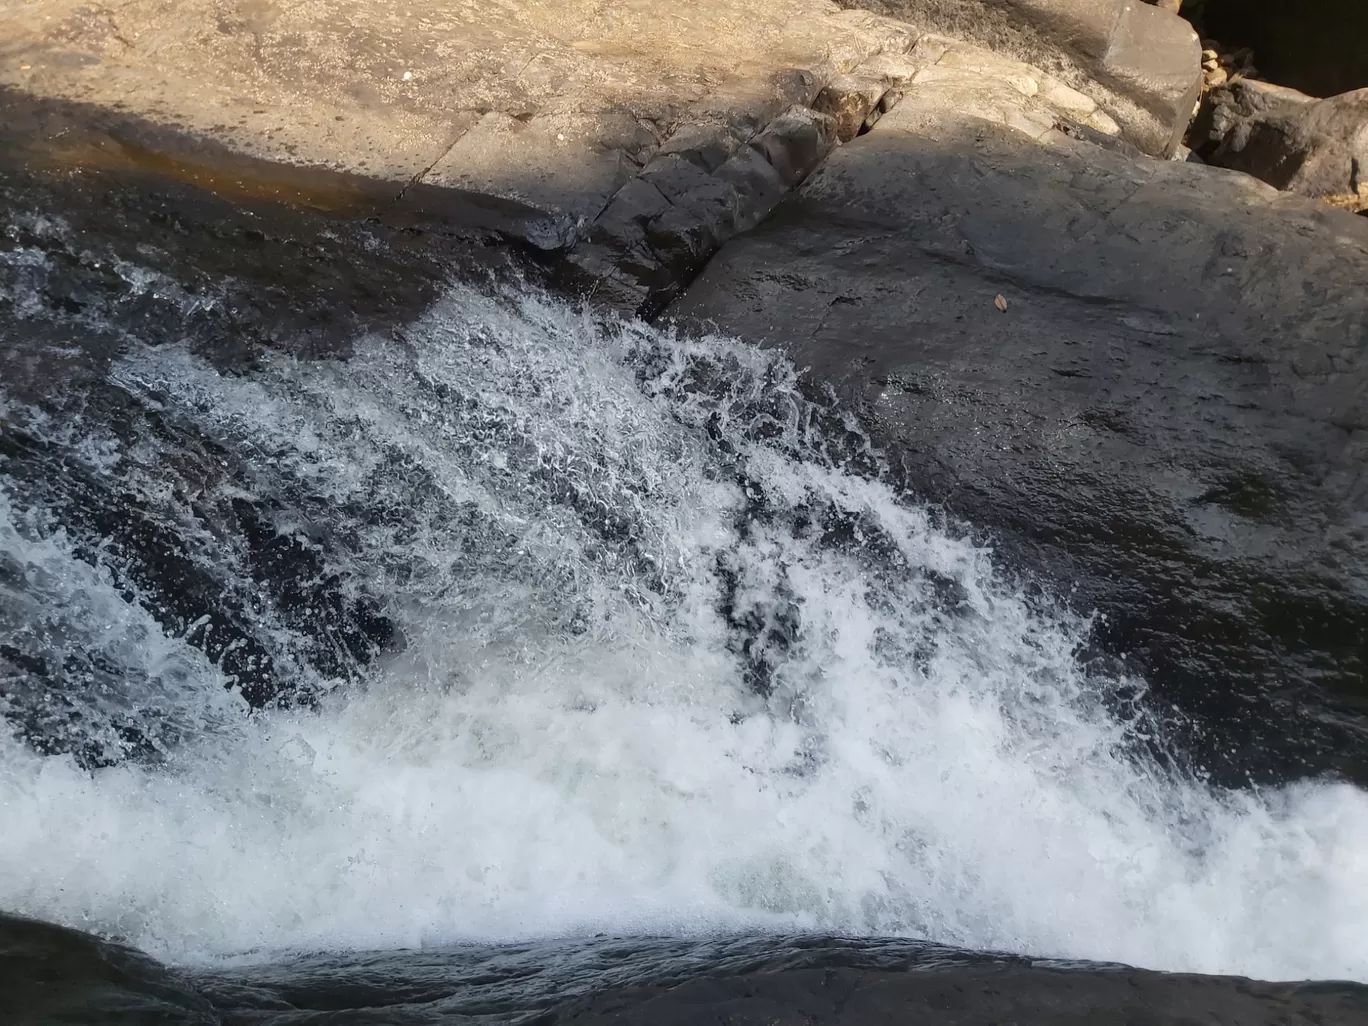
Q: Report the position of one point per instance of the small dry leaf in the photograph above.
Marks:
(1001, 303)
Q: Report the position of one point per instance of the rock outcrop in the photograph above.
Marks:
(1141, 62)
(1170, 415)
(1294, 142)
(548, 106)
(710, 181)
(1038, 995)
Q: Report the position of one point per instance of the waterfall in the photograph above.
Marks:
(520, 624)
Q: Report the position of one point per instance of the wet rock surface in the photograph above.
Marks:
(1023, 994)
(93, 256)
(1168, 415)
(51, 974)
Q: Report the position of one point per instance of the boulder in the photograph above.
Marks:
(1167, 414)
(1294, 142)
(1141, 62)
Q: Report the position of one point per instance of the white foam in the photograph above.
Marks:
(567, 744)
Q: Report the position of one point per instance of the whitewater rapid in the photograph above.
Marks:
(568, 521)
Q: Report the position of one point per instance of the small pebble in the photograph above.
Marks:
(408, 76)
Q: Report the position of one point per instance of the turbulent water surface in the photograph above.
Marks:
(618, 640)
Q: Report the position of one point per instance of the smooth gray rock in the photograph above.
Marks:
(1317, 148)
(1170, 418)
(720, 175)
(1142, 62)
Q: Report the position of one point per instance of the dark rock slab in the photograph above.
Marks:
(49, 974)
(1170, 418)
(975, 996)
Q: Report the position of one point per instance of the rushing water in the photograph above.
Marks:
(660, 665)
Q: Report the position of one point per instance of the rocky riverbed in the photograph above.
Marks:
(479, 472)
